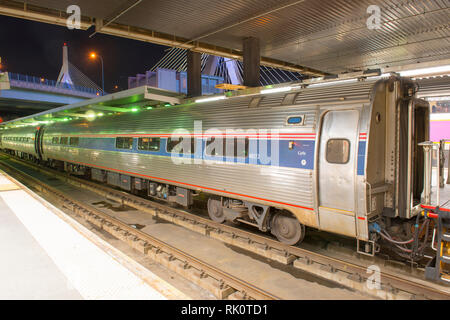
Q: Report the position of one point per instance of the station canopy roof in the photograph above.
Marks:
(131, 100)
(308, 36)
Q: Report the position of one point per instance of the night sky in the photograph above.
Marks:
(34, 48)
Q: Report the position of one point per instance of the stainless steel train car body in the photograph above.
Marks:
(21, 139)
(363, 118)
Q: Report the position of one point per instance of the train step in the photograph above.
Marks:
(445, 259)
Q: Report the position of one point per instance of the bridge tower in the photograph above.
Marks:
(64, 75)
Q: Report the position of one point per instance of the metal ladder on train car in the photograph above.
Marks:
(438, 268)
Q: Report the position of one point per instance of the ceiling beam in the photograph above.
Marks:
(129, 32)
(248, 19)
(28, 11)
(31, 12)
(117, 14)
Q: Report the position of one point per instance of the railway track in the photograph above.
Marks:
(351, 275)
(221, 284)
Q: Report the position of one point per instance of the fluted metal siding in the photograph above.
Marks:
(288, 185)
(27, 132)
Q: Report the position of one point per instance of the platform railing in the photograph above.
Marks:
(428, 148)
(427, 167)
(36, 83)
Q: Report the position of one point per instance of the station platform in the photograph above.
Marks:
(46, 255)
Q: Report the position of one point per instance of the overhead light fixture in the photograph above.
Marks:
(276, 90)
(210, 99)
(445, 98)
(425, 71)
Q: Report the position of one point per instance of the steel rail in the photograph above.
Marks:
(246, 288)
(390, 282)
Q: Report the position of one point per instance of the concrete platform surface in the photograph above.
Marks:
(47, 255)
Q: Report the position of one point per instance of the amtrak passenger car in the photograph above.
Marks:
(347, 155)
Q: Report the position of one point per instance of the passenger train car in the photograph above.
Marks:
(344, 156)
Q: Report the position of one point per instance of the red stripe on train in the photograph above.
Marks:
(188, 184)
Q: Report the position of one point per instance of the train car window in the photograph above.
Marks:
(238, 146)
(64, 140)
(338, 151)
(149, 144)
(124, 143)
(74, 141)
(55, 140)
(176, 145)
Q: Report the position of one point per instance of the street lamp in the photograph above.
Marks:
(94, 56)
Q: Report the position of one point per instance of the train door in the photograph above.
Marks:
(337, 171)
(38, 142)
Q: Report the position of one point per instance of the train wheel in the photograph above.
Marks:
(215, 210)
(287, 229)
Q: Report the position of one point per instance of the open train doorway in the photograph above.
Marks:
(414, 129)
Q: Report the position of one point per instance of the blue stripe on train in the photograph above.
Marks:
(361, 158)
(300, 156)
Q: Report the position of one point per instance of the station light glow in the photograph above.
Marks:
(276, 90)
(210, 99)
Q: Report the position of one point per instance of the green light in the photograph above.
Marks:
(135, 110)
(167, 105)
(149, 108)
(101, 114)
(66, 119)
